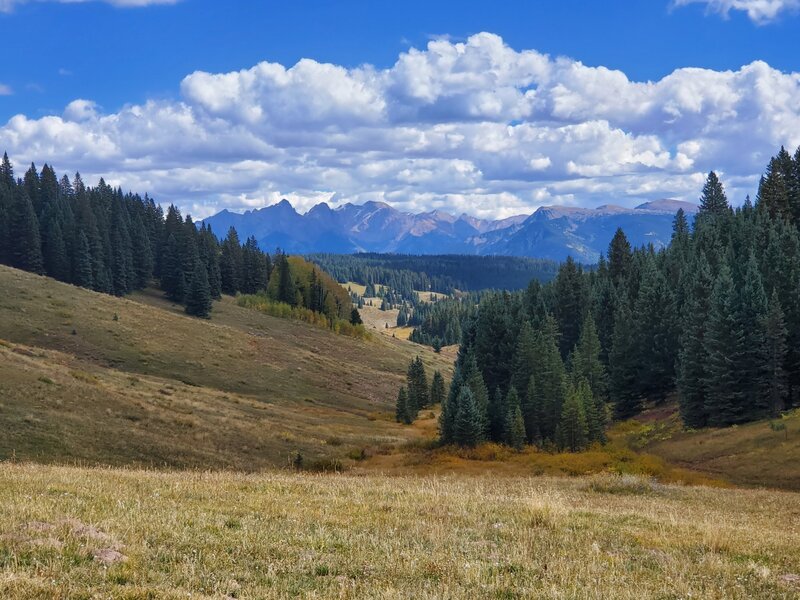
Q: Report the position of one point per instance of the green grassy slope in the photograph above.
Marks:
(90, 377)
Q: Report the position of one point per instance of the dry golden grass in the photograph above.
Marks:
(99, 533)
(764, 453)
(91, 378)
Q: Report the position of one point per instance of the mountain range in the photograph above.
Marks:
(553, 232)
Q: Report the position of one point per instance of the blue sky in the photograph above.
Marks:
(130, 71)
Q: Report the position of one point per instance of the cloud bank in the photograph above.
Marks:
(758, 11)
(474, 126)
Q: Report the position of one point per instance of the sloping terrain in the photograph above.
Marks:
(93, 378)
(763, 453)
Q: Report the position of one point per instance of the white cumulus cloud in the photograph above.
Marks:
(758, 11)
(474, 126)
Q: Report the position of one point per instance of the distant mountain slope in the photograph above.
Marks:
(552, 232)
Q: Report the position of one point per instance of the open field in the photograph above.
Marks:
(764, 453)
(86, 533)
(92, 378)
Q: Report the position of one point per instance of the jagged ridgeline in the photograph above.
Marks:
(115, 243)
(713, 318)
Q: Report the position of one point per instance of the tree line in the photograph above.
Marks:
(714, 319)
(436, 273)
(417, 394)
(115, 243)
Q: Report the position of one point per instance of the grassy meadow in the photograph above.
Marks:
(92, 379)
(146, 455)
(68, 532)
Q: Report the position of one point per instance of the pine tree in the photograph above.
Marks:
(514, 424)
(287, 290)
(532, 413)
(401, 413)
(775, 356)
(450, 408)
(571, 300)
(82, 275)
(437, 395)
(693, 360)
(173, 279)
(572, 433)
(497, 413)
(593, 409)
(7, 173)
(418, 390)
(722, 338)
(231, 264)
(55, 255)
(773, 189)
(24, 241)
(550, 377)
(619, 257)
(355, 317)
(585, 360)
(473, 378)
(713, 201)
(198, 298)
(622, 368)
(656, 334)
(524, 359)
(468, 425)
(142, 256)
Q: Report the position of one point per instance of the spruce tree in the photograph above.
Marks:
(750, 360)
(713, 200)
(532, 413)
(231, 264)
(82, 275)
(622, 368)
(693, 360)
(450, 408)
(56, 262)
(437, 395)
(723, 337)
(497, 413)
(619, 257)
(479, 393)
(198, 298)
(514, 425)
(287, 291)
(585, 360)
(355, 317)
(401, 412)
(656, 334)
(173, 279)
(418, 390)
(550, 377)
(24, 241)
(572, 433)
(571, 300)
(773, 189)
(468, 427)
(594, 409)
(524, 359)
(775, 356)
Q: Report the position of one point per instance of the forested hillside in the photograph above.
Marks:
(715, 317)
(101, 239)
(437, 273)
